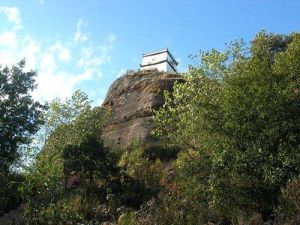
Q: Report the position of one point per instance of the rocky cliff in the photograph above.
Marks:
(131, 99)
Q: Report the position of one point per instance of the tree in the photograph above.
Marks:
(239, 111)
(85, 155)
(86, 160)
(58, 112)
(61, 113)
(73, 148)
(260, 102)
(20, 115)
(191, 119)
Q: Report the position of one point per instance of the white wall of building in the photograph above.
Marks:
(156, 58)
(162, 67)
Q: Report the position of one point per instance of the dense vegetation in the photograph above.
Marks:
(228, 149)
(20, 117)
(237, 121)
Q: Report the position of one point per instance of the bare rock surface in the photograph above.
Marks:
(131, 99)
(13, 217)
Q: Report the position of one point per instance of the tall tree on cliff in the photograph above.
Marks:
(20, 115)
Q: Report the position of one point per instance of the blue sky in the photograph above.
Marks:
(87, 44)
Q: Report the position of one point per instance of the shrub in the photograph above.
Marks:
(239, 109)
(139, 163)
(10, 197)
(128, 218)
(159, 152)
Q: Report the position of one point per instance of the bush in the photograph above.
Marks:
(128, 218)
(10, 197)
(239, 109)
(144, 166)
(73, 149)
(66, 211)
(185, 198)
(160, 152)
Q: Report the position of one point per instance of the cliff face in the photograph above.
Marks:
(131, 99)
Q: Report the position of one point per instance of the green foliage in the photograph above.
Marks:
(9, 197)
(58, 113)
(261, 107)
(232, 149)
(20, 115)
(128, 218)
(64, 112)
(142, 175)
(261, 116)
(64, 211)
(138, 166)
(89, 159)
(73, 148)
(185, 200)
(186, 116)
(237, 118)
(20, 118)
(160, 152)
(82, 129)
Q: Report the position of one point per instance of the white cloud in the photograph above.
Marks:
(48, 62)
(90, 58)
(86, 54)
(56, 82)
(41, 2)
(60, 84)
(93, 58)
(63, 53)
(13, 15)
(79, 35)
(53, 60)
(30, 50)
(86, 75)
(52, 85)
(8, 39)
(7, 57)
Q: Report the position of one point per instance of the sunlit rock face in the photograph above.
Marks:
(131, 99)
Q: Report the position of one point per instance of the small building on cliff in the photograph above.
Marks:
(161, 60)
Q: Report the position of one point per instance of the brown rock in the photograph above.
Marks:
(131, 99)
(256, 219)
